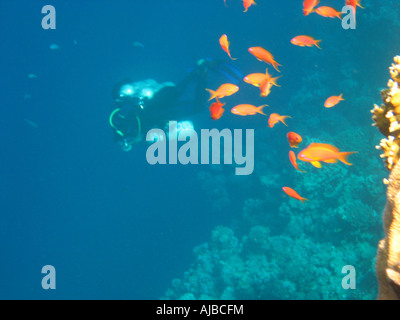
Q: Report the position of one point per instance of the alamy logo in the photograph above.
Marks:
(189, 151)
(349, 280)
(349, 21)
(49, 20)
(49, 280)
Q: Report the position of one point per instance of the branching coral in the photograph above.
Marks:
(387, 118)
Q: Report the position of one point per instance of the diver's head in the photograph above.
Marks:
(127, 91)
(135, 93)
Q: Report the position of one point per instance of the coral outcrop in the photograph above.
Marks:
(387, 119)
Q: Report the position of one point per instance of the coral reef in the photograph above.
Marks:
(281, 249)
(388, 256)
(261, 266)
(387, 118)
(278, 248)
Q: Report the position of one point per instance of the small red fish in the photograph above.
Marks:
(333, 101)
(354, 4)
(291, 193)
(264, 55)
(294, 139)
(224, 90)
(308, 6)
(247, 4)
(328, 12)
(266, 84)
(292, 158)
(317, 152)
(216, 110)
(256, 79)
(274, 118)
(223, 41)
(248, 109)
(265, 88)
(305, 41)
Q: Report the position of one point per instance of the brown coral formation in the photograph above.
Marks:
(387, 119)
(388, 257)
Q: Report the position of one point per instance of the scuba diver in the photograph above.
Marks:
(144, 105)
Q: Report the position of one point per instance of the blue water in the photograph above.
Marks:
(115, 227)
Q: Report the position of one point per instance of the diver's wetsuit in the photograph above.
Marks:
(134, 115)
(167, 104)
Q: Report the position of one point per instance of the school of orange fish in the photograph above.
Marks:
(315, 153)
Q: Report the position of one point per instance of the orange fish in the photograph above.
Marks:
(223, 41)
(266, 85)
(291, 193)
(317, 152)
(248, 109)
(292, 158)
(264, 55)
(354, 4)
(328, 12)
(333, 101)
(247, 4)
(305, 41)
(294, 139)
(224, 90)
(308, 6)
(274, 118)
(256, 79)
(216, 110)
(265, 88)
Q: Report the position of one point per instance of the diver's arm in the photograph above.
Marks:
(169, 104)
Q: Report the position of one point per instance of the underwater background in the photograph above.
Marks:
(115, 227)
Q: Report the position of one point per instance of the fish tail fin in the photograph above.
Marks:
(229, 54)
(343, 157)
(276, 65)
(304, 199)
(283, 120)
(273, 81)
(213, 94)
(341, 97)
(260, 108)
(317, 42)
